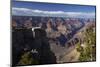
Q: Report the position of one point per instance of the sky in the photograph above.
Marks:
(52, 8)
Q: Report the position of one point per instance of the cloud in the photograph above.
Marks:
(31, 12)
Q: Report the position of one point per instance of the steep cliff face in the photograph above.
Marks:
(23, 42)
(60, 51)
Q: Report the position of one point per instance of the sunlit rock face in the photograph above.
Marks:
(62, 29)
(28, 24)
(14, 23)
(49, 28)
